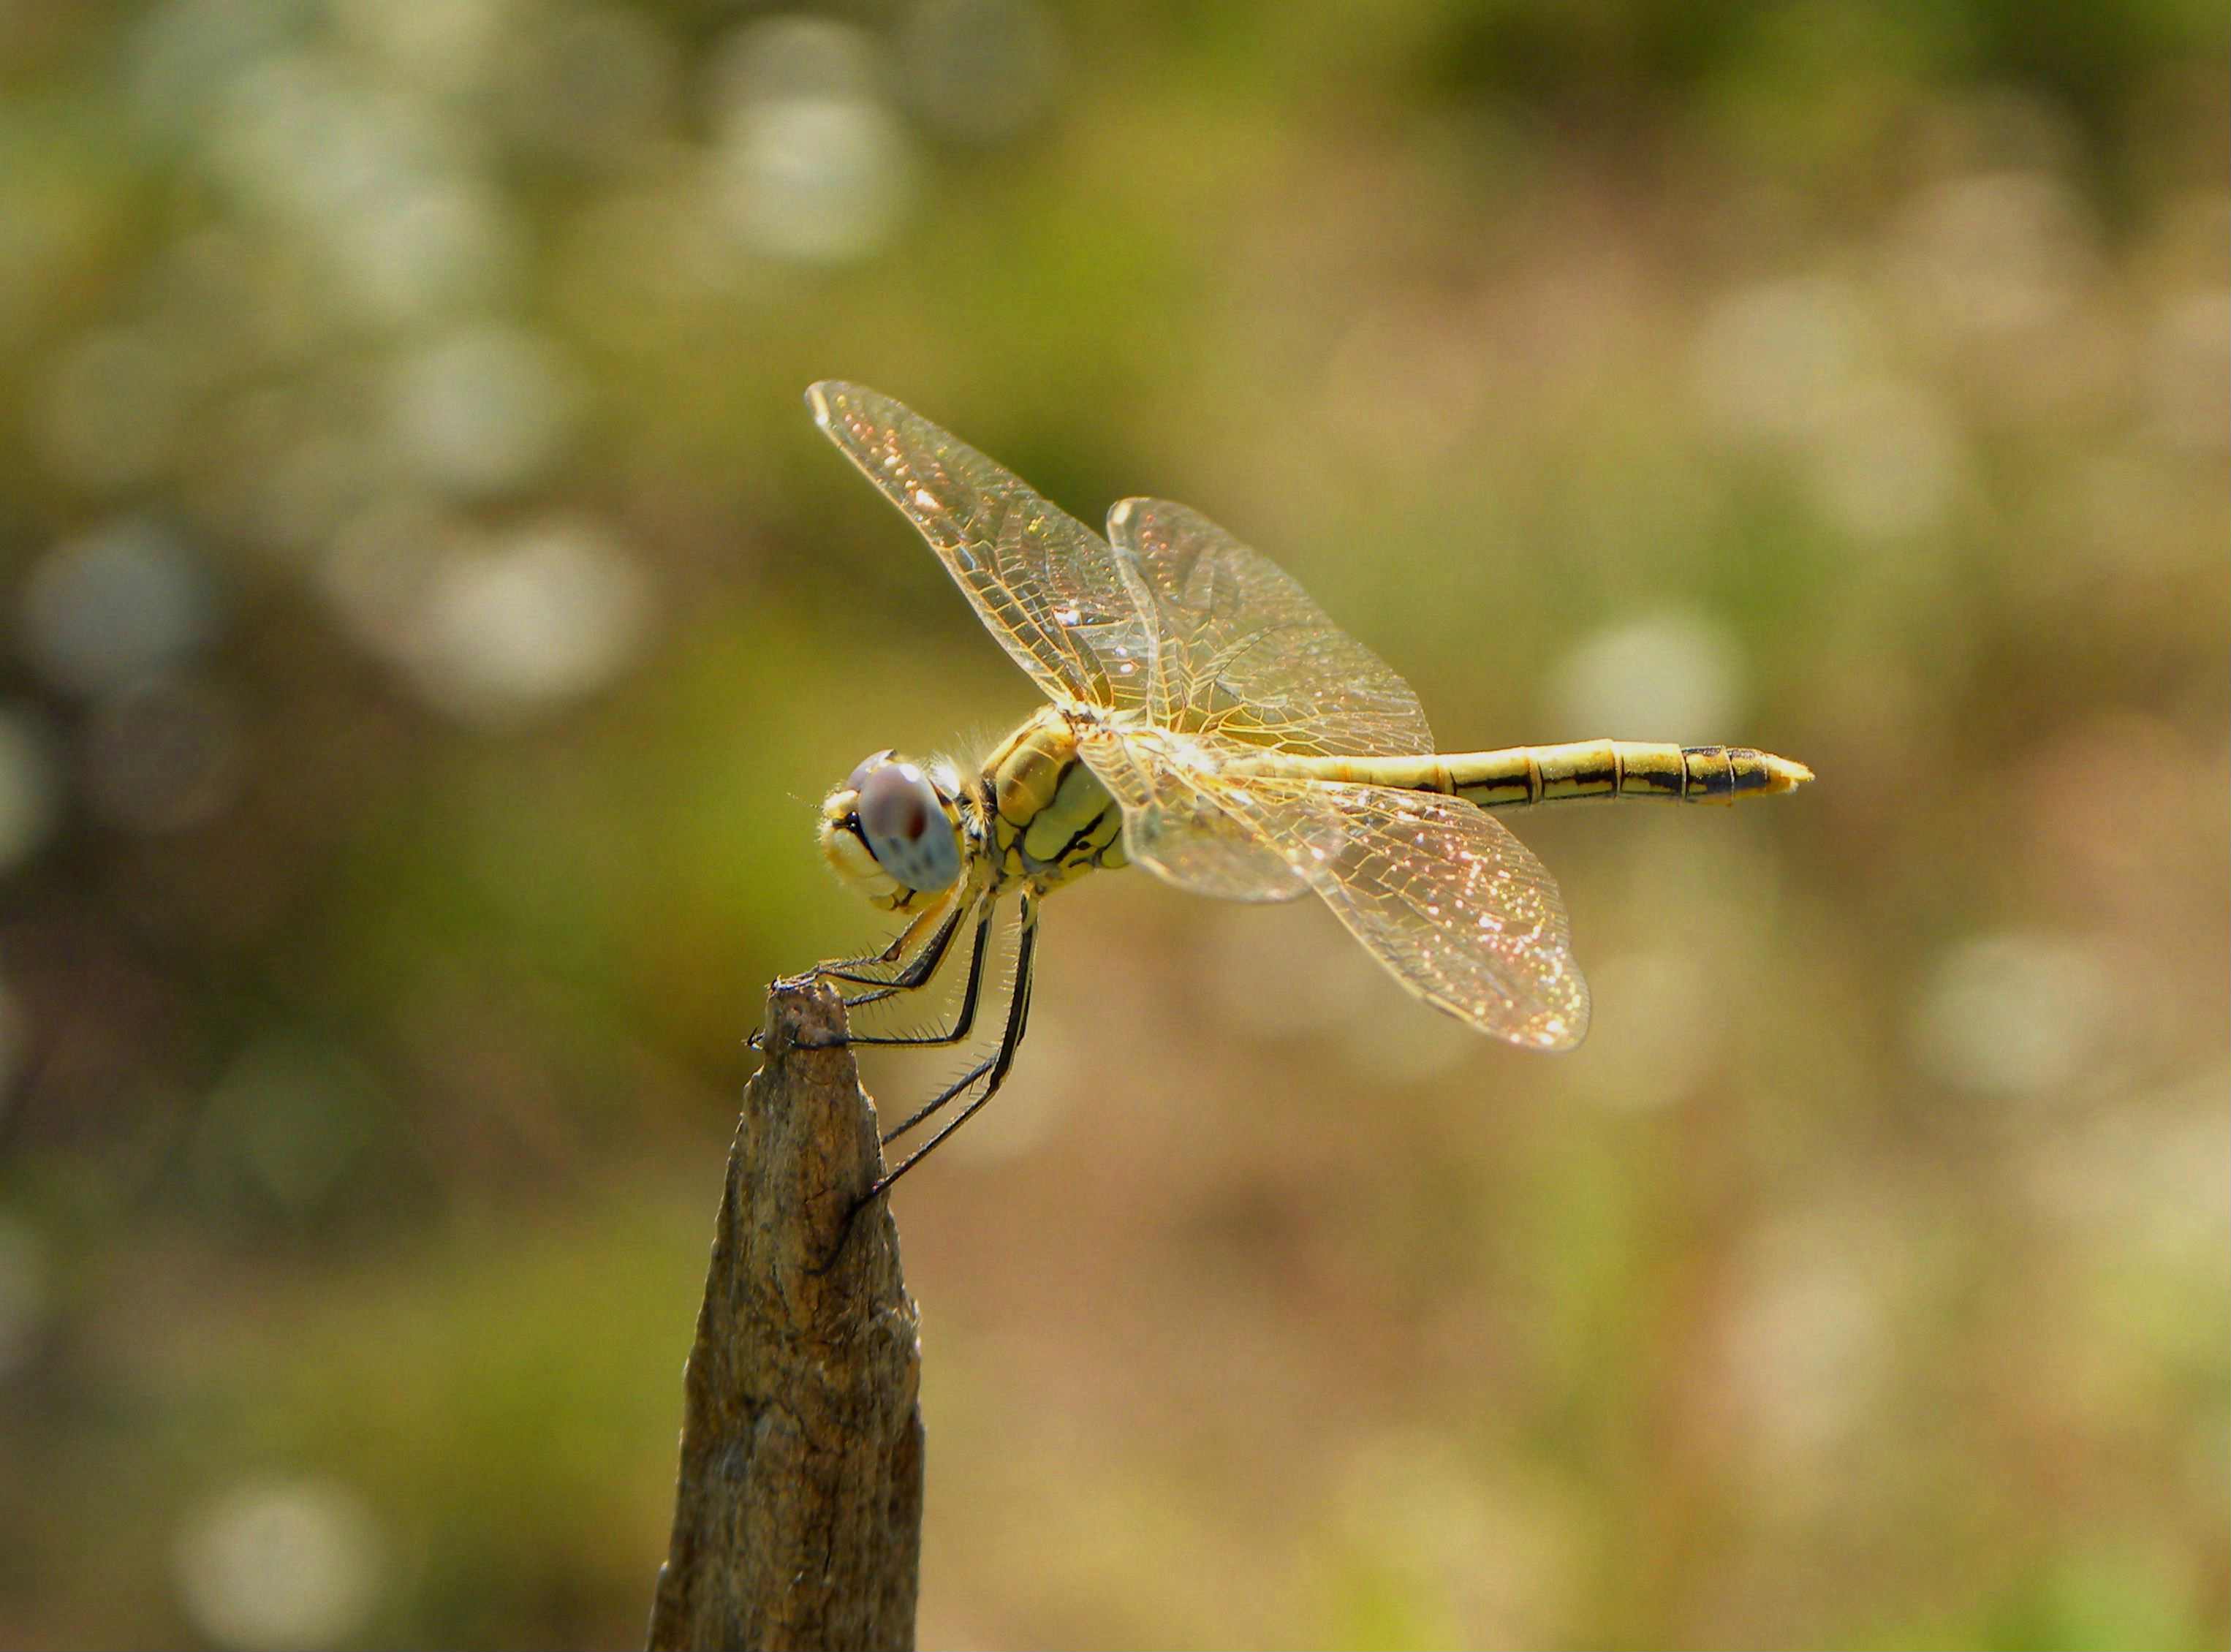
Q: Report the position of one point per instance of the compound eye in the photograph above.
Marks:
(904, 822)
(896, 802)
(868, 766)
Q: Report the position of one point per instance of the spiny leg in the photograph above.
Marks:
(961, 1085)
(948, 917)
(993, 1070)
(965, 1021)
(918, 970)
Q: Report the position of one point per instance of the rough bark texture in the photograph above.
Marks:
(797, 1517)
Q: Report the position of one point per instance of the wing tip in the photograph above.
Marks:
(821, 398)
(1564, 1032)
(1551, 1031)
(1581, 1013)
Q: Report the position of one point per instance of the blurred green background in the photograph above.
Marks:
(431, 619)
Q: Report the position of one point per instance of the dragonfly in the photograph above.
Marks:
(1204, 721)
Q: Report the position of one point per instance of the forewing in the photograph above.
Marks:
(1438, 892)
(1243, 652)
(1072, 612)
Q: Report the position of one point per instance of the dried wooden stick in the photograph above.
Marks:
(798, 1516)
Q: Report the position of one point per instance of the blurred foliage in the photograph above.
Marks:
(431, 618)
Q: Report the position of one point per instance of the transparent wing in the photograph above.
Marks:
(1440, 893)
(1072, 612)
(1244, 660)
(1178, 821)
(1457, 908)
(1244, 653)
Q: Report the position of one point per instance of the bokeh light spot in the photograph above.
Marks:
(814, 180)
(436, 247)
(279, 1563)
(123, 602)
(1889, 461)
(2011, 1015)
(810, 165)
(531, 623)
(2188, 372)
(482, 409)
(1993, 252)
(1771, 361)
(1677, 674)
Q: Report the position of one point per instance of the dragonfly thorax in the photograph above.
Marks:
(1050, 820)
(894, 829)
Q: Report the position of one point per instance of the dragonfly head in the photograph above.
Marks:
(892, 829)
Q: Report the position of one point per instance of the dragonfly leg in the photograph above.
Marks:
(971, 991)
(848, 969)
(993, 1070)
(919, 970)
